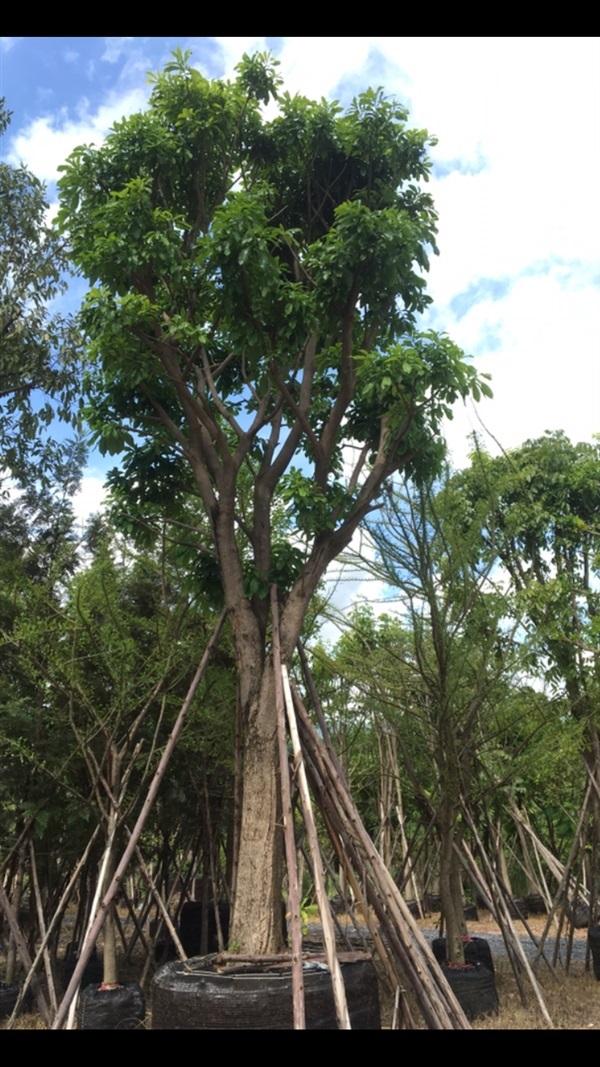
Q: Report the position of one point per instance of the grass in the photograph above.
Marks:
(572, 1000)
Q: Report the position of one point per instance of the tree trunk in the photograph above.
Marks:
(450, 832)
(450, 885)
(11, 956)
(256, 926)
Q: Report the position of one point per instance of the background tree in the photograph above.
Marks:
(258, 286)
(444, 666)
(39, 352)
(546, 499)
(97, 665)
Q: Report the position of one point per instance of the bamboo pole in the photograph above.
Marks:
(24, 954)
(163, 910)
(403, 955)
(561, 873)
(57, 915)
(136, 832)
(42, 926)
(437, 1001)
(492, 897)
(339, 992)
(17, 893)
(90, 938)
(288, 829)
(515, 939)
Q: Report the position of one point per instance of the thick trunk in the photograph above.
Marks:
(256, 923)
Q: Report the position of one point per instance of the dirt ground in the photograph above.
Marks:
(572, 999)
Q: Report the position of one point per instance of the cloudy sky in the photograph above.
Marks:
(516, 182)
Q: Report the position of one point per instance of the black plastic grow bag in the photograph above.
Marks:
(477, 950)
(193, 996)
(474, 986)
(122, 1008)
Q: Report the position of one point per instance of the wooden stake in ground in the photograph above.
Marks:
(514, 940)
(339, 992)
(288, 831)
(24, 954)
(412, 954)
(90, 941)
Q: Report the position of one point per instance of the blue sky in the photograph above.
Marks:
(516, 183)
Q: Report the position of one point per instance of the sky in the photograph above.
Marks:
(516, 182)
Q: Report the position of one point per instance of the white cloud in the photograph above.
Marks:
(348, 584)
(233, 48)
(315, 65)
(49, 140)
(90, 497)
(546, 370)
(114, 48)
(6, 43)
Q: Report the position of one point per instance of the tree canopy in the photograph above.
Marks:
(546, 498)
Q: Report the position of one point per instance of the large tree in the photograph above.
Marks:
(257, 284)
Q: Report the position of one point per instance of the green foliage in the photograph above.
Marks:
(256, 285)
(95, 657)
(546, 498)
(39, 353)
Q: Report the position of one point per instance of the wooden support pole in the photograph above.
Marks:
(437, 1001)
(288, 830)
(516, 943)
(24, 954)
(339, 992)
(93, 932)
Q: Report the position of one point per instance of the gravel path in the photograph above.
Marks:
(496, 943)
(314, 933)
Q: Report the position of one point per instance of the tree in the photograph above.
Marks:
(39, 352)
(258, 284)
(546, 498)
(443, 667)
(96, 665)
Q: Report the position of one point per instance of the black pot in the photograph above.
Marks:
(190, 926)
(122, 1008)
(9, 992)
(194, 996)
(517, 908)
(578, 915)
(477, 950)
(92, 974)
(414, 908)
(432, 902)
(536, 904)
(474, 986)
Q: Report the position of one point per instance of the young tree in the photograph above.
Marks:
(257, 286)
(446, 663)
(39, 352)
(546, 497)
